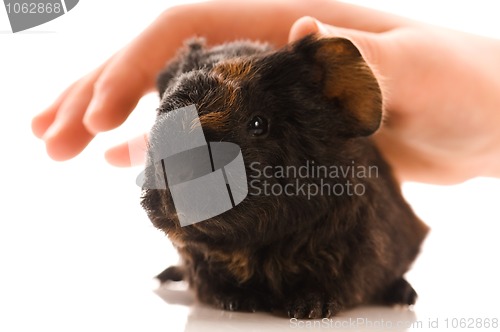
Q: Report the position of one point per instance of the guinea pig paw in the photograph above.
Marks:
(171, 273)
(312, 305)
(239, 302)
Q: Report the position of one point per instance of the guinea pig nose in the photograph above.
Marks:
(205, 180)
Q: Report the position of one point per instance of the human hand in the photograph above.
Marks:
(103, 99)
(421, 140)
(440, 87)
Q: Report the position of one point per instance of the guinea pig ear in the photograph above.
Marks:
(346, 82)
(187, 59)
(167, 76)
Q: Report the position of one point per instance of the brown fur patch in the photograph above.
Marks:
(215, 120)
(234, 70)
(231, 73)
(238, 263)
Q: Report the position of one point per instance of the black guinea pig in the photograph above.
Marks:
(324, 226)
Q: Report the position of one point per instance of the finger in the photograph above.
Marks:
(354, 17)
(271, 20)
(368, 43)
(130, 153)
(132, 73)
(302, 27)
(67, 135)
(116, 94)
(41, 122)
(44, 120)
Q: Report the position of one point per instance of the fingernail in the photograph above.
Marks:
(323, 29)
(137, 149)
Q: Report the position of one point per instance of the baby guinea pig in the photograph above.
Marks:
(311, 104)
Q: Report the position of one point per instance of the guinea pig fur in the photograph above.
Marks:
(313, 102)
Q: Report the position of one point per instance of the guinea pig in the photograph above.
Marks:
(300, 242)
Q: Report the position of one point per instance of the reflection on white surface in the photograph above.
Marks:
(204, 318)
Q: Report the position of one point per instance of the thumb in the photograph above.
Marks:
(130, 153)
(379, 50)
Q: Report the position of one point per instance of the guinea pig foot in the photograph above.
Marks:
(240, 301)
(312, 305)
(171, 273)
(400, 292)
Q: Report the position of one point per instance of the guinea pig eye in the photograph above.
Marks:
(258, 126)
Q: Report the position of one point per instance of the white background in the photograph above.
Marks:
(77, 253)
